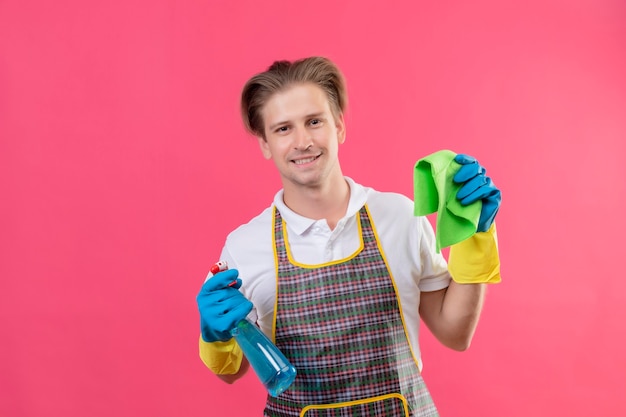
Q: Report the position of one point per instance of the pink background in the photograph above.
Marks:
(123, 165)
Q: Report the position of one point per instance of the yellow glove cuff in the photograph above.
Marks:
(223, 358)
(475, 260)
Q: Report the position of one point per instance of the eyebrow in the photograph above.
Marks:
(318, 115)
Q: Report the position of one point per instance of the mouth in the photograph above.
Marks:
(303, 161)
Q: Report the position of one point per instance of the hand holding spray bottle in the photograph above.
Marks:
(269, 363)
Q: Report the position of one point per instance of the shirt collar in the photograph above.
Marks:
(300, 224)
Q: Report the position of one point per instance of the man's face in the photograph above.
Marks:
(301, 136)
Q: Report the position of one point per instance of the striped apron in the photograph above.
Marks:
(341, 326)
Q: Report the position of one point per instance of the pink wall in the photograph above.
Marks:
(123, 165)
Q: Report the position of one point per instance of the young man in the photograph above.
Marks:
(338, 274)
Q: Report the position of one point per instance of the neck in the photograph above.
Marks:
(328, 201)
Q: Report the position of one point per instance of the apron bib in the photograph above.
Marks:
(340, 325)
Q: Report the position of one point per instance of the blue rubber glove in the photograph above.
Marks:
(477, 186)
(221, 306)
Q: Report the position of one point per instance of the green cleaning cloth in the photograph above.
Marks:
(434, 190)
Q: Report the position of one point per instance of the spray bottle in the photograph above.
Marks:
(269, 363)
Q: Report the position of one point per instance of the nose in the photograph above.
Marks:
(303, 139)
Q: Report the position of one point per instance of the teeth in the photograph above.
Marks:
(305, 161)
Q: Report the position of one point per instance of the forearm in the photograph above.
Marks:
(452, 314)
(460, 312)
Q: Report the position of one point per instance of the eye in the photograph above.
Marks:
(315, 122)
(282, 129)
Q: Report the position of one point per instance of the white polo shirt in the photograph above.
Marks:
(407, 242)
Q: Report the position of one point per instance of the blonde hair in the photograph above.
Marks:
(281, 75)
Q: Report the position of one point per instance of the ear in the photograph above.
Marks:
(341, 128)
(265, 149)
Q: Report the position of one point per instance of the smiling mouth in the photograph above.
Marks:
(305, 160)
